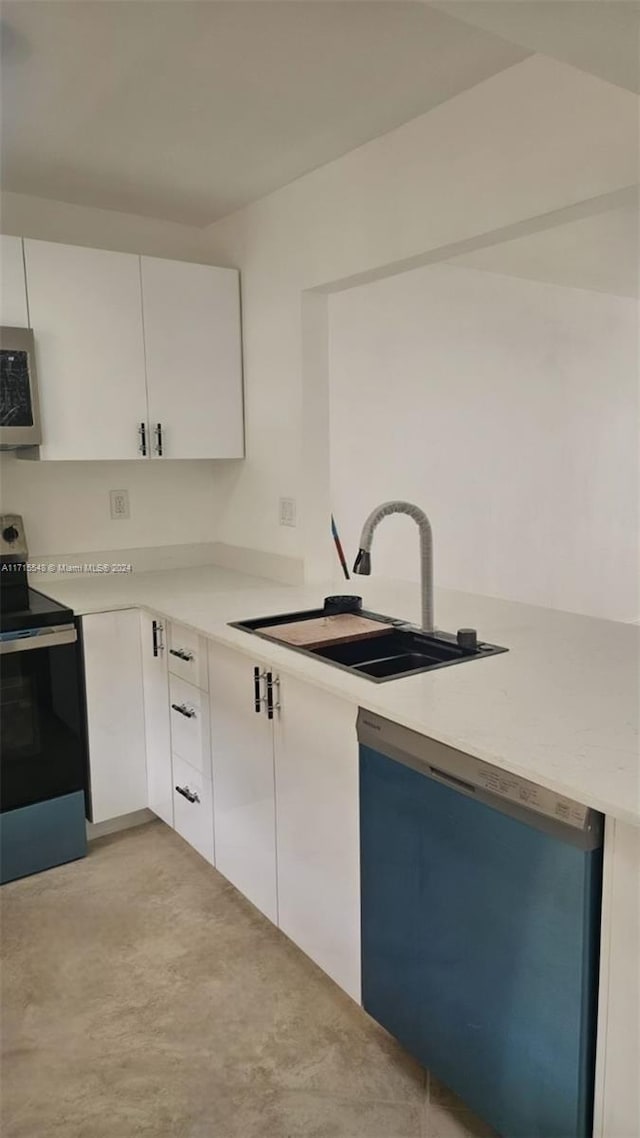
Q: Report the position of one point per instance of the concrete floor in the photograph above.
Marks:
(143, 996)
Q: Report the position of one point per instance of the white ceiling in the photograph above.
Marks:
(188, 111)
(598, 252)
(600, 36)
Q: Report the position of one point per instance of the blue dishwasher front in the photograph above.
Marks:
(480, 929)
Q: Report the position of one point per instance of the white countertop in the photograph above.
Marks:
(560, 707)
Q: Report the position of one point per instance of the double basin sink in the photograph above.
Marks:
(401, 651)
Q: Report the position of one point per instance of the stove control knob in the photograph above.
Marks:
(10, 534)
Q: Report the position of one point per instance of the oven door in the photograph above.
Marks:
(43, 750)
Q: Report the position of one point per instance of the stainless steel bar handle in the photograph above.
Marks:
(39, 638)
(190, 795)
(157, 630)
(182, 654)
(258, 698)
(182, 708)
(272, 682)
(142, 432)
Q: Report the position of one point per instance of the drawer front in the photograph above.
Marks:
(187, 656)
(193, 807)
(190, 725)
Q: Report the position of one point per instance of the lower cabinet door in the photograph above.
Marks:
(193, 807)
(155, 680)
(242, 763)
(617, 1100)
(316, 764)
(115, 715)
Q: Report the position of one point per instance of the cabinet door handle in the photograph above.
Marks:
(182, 709)
(258, 699)
(156, 632)
(181, 654)
(272, 682)
(142, 432)
(190, 795)
(159, 444)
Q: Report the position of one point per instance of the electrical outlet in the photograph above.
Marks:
(119, 500)
(287, 511)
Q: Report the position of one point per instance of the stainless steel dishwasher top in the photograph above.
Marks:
(511, 793)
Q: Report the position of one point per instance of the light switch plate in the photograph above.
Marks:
(287, 511)
(119, 500)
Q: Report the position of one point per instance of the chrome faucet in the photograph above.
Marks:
(363, 560)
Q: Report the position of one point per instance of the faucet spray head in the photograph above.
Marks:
(362, 564)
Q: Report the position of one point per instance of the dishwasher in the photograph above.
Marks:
(481, 896)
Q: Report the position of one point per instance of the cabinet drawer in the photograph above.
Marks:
(188, 656)
(190, 725)
(193, 807)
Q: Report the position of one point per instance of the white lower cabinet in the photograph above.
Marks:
(178, 748)
(318, 833)
(115, 717)
(243, 779)
(617, 1097)
(155, 679)
(192, 807)
(294, 776)
(275, 799)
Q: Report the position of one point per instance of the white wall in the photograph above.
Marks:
(537, 137)
(66, 509)
(66, 505)
(507, 409)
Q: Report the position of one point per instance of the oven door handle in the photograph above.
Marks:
(42, 638)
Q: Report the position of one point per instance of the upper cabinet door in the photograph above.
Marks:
(86, 314)
(194, 359)
(13, 291)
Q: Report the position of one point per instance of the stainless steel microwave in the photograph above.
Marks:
(19, 410)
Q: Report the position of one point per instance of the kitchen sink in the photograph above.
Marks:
(395, 653)
(402, 651)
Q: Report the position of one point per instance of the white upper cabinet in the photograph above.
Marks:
(193, 353)
(86, 316)
(138, 357)
(13, 290)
